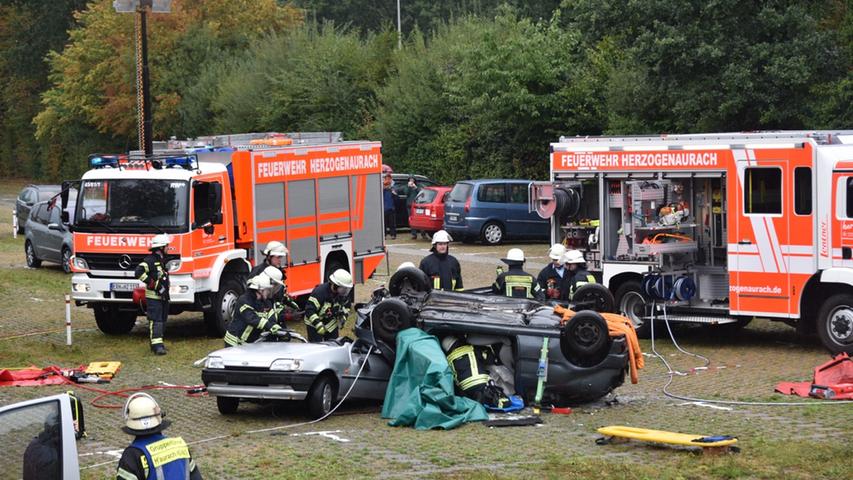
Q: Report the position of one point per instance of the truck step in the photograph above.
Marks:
(705, 319)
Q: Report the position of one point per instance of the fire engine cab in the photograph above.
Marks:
(221, 199)
(713, 228)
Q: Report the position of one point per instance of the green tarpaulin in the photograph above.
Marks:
(420, 392)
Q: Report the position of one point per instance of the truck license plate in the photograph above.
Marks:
(123, 287)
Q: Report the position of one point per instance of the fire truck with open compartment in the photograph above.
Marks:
(221, 199)
(713, 228)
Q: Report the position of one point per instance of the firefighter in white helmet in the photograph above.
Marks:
(153, 273)
(440, 266)
(152, 455)
(328, 307)
(252, 313)
(275, 257)
(554, 279)
(515, 282)
(578, 274)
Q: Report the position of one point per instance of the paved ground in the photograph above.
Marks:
(357, 443)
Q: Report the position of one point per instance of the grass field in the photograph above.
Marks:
(777, 441)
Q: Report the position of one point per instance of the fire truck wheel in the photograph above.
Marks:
(113, 321)
(220, 316)
(389, 317)
(632, 304)
(30, 251)
(493, 233)
(585, 340)
(835, 323)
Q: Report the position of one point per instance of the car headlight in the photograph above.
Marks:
(79, 263)
(173, 265)
(287, 364)
(215, 362)
(81, 287)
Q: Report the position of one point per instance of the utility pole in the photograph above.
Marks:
(399, 29)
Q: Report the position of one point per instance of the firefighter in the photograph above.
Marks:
(468, 364)
(152, 455)
(282, 305)
(553, 280)
(327, 308)
(252, 313)
(515, 282)
(440, 266)
(578, 274)
(275, 254)
(275, 258)
(152, 272)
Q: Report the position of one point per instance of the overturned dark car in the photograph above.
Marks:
(584, 362)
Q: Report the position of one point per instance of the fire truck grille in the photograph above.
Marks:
(113, 261)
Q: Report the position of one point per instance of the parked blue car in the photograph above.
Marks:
(492, 210)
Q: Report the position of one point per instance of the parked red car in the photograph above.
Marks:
(428, 209)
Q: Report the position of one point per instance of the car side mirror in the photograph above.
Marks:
(54, 226)
(64, 217)
(29, 204)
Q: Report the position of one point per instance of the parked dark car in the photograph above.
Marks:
(401, 181)
(29, 196)
(492, 211)
(584, 362)
(427, 213)
(46, 237)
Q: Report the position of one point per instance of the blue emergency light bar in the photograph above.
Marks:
(102, 161)
(183, 162)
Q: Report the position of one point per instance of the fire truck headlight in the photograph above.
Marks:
(81, 287)
(176, 289)
(79, 263)
(173, 265)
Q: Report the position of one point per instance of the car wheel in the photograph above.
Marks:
(322, 396)
(227, 405)
(835, 323)
(388, 318)
(585, 340)
(632, 304)
(408, 280)
(112, 321)
(493, 233)
(595, 296)
(30, 252)
(66, 259)
(217, 320)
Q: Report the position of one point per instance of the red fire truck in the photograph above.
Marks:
(713, 228)
(221, 199)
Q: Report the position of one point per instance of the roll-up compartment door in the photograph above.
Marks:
(366, 201)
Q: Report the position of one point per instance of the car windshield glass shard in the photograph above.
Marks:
(139, 205)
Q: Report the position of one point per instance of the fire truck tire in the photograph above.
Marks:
(408, 279)
(585, 340)
(631, 303)
(389, 317)
(493, 233)
(112, 321)
(30, 252)
(220, 316)
(835, 323)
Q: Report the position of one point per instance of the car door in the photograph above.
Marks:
(38, 439)
(520, 221)
(53, 238)
(24, 203)
(491, 203)
(40, 232)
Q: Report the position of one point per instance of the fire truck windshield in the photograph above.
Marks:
(132, 205)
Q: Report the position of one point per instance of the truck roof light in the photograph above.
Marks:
(102, 161)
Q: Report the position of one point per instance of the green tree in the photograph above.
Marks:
(316, 78)
(92, 102)
(722, 65)
(484, 98)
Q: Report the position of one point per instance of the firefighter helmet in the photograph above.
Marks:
(259, 282)
(160, 241)
(556, 251)
(574, 256)
(275, 249)
(142, 415)
(448, 343)
(275, 274)
(514, 255)
(341, 278)
(441, 237)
